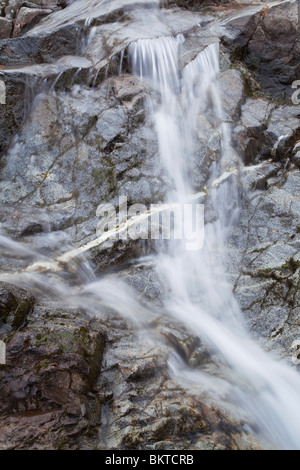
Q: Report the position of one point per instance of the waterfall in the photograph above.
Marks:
(183, 100)
(200, 296)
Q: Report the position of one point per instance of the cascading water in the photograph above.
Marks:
(200, 296)
(265, 392)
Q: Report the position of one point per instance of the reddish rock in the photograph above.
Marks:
(5, 28)
(269, 44)
(27, 17)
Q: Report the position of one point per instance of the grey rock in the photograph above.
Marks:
(255, 114)
(268, 41)
(48, 383)
(233, 93)
(296, 159)
(265, 131)
(12, 8)
(27, 17)
(23, 85)
(158, 419)
(87, 140)
(283, 130)
(15, 305)
(267, 283)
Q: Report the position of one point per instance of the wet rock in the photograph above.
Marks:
(23, 15)
(12, 8)
(147, 410)
(265, 131)
(15, 306)
(233, 92)
(267, 283)
(187, 345)
(268, 42)
(37, 49)
(12, 112)
(255, 114)
(192, 4)
(283, 131)
(5, 28)
(85, 142)
(26, 18)
(257, 176)
(296, 159)
(62, 3)
(47, 385)
(3, 4)
(22, 85)
(108, 138)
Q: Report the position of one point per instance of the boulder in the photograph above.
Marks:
(296, 159)
(48, 381)
(27, 17)
(268, 42)
(267, 252)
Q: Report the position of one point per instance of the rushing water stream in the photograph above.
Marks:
(267, 392)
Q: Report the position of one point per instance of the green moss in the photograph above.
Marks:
(292, 265)
(83, 336)
(280, 272)
(8, 308)
(42, 365)
(3, 164)
(76, 194)
(61, 444)
(15, 311)
(40, 340)
(97, 174)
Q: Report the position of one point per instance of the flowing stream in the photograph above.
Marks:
(200, 298)
(193, 271)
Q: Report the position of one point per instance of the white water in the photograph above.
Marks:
(267, 391)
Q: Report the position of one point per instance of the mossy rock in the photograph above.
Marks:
(15, 305)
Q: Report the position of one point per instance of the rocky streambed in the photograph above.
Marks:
(75, 133)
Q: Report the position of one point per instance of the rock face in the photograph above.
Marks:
(267, 285)
(5, 28)
(17, 16)
(156, 413)
(74, 381)
(27, 17)
(53, 359)
(54, 397)
(269, 44)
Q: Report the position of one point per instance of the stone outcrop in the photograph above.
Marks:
(53, 360)
(6, 26)
(17, 16)
(26, 19)
(269, 44)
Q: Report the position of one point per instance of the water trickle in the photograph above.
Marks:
(199, 294)
(266, 392)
